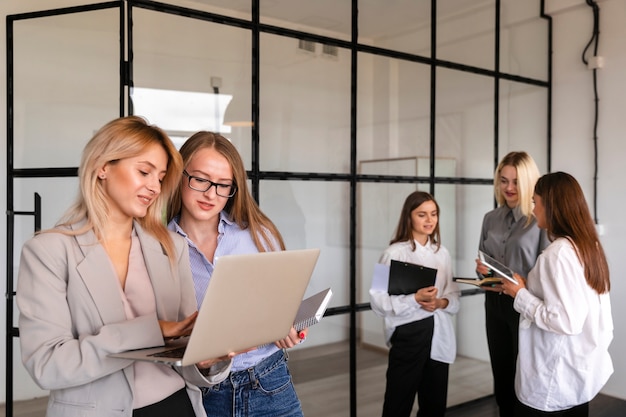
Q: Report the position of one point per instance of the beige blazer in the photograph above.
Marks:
(72, 318)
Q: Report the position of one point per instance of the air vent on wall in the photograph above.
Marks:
(330, 50)
(306, 46)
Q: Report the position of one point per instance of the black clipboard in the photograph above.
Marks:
(408, 278)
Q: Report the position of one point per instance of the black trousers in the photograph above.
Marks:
(581, 410)
(502, 325)
(177, 404)
(411, 371)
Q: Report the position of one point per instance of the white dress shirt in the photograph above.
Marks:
(565, 331)
(402, 309)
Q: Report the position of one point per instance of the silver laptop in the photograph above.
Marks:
(251, 300)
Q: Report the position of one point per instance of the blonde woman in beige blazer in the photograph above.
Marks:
(109, 278)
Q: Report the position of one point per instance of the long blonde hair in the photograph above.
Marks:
(122, 138)
(241, 208)
(527, 176)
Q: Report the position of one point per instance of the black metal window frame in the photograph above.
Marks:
(256, 174)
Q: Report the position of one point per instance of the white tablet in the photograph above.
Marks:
(498, 267)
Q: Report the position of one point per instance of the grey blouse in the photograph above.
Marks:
(506, 237)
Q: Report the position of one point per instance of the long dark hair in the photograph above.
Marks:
(567, 215)
(404, 230)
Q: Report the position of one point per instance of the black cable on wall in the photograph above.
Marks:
(595, 40)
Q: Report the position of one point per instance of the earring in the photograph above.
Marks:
(101, 176)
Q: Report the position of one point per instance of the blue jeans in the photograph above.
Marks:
(263, 390)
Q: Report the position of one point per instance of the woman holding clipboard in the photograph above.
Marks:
(418, 326)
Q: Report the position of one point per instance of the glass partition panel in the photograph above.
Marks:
(313, 214)
(524, 121)
(370, 377)
(305, 126)
(56, 195)
(470, 375)
(198, 74)
(321, 371)
(446, 196)
(471, 202)
(378, 211)
(464, 125)
(52, 207)
(322, 17)
(405, 27)
(66, 85)
(393, 110)
(305, 108)
(466, 32)
(524, 39)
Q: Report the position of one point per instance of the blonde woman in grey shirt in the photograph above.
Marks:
(510, 235)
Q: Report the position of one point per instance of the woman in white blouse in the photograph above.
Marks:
(565, 312)
(418, 326)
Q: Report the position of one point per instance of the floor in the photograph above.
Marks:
(323, 373)
(321, 378)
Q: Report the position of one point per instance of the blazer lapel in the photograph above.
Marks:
(97, 273)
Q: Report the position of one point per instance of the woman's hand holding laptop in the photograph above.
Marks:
(210, 362)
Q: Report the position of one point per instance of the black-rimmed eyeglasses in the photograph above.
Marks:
(204, 185)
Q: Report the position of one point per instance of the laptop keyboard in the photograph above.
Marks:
(172, 353)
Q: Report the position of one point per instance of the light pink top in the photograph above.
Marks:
(153, 382)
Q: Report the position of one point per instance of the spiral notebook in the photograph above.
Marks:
(312, 309)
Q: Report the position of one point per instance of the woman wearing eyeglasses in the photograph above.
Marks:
(215, 212)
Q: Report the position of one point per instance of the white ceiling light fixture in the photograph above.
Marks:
(181, 113)
(238, 113)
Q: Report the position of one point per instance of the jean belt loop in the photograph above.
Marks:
(253, 381)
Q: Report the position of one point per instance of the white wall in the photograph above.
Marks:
(573, 136)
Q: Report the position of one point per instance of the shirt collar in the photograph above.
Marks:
(517, 213)
(419, 246)
(225, 220)
(175, 227)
